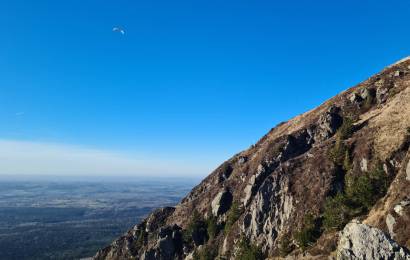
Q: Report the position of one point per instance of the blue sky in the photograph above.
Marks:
(190, 83)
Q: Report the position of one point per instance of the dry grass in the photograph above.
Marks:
(391, 124)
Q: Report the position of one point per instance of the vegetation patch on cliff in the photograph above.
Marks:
(248, 251)
(360, 194)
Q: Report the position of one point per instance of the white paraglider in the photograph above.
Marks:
(118, 29)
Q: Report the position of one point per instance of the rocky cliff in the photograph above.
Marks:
(332, 183)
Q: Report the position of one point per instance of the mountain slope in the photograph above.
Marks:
(290, 193)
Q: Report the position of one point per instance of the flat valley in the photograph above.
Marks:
(74, 218)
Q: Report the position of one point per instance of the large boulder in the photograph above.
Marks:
(360, 241)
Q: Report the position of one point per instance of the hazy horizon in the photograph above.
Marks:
(50, 159)
(120, 178)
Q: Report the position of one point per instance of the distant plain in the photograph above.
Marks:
(72, 218)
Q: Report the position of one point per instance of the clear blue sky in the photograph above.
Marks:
(190, 81)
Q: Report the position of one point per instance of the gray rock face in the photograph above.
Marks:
(355, 98)
(269, 211)
(242, 159)
(128, 246)
(327, 124)
(169, 243)
(221, 203)
(248, 190)
(390, 222)
(359, 241)
(225, 172)
(296, 144)
(398, 73)
(165, 243)
(365, 93)
(156, 219)
(408, 171)
(256, 180)
(381, 94)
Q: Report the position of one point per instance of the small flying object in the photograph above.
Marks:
(118, 29)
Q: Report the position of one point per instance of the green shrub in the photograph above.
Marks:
(347, 163)
(360, 194)
(349, 182)
(338, 152)
(232, 216)
(212, 227)
(196, 225)
(337, 212)
(346, 129)
(309, 233)
(248, 251)
(367, 188)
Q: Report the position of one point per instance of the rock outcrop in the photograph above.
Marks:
(408, 171)
(359, 241)
(221, 203)
(303, 177)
